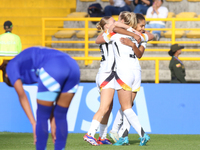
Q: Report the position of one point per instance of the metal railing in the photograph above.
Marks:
(86, 28)
(156, 59)
(86, 49)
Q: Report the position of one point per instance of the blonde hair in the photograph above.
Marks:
(100, 25)
(129, 18)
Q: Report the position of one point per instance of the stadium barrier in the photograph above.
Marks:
(156, 59)
(86, 41)
(161, 108)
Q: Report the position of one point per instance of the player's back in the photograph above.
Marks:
(124, 55)
(107, 63)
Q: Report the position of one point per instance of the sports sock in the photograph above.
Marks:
(118, 121)
(60, 114)
(93, 127)
(43, 114)
(103, 131)
(134, 121)
(124, 130)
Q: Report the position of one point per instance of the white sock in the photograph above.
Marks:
(103, 131)
(118, 121)
(134, 121)
(124, 130)
(93, 127)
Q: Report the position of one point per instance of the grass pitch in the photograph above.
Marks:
(24, 141)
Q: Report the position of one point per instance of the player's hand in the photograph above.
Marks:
(137, 38)
(34, 132)
(53, 129)
(135, 31)
(126, 41)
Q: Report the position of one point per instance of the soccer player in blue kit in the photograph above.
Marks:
(57, 76)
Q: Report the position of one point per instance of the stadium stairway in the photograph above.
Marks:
(26, 16)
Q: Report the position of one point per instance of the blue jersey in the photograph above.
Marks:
(26, 65)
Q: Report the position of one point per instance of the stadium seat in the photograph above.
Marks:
(77, 15)
(81, 34)
(193, 34)
(194, 0)
(171, 15)
(65, 34)
(186, 15)
(178, 34)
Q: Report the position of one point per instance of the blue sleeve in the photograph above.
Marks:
(13, 72)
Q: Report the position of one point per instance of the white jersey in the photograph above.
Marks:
(125, 58)
(107, 63)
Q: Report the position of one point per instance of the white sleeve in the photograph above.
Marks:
(148, 14)
(163, 12)
(144, 42)
(130, 29)
(105, 37)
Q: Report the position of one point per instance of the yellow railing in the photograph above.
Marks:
(86, 28)
(156, 59)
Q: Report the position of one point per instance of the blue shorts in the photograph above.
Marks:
(58, 75)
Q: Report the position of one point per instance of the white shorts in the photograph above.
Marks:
(125, 79)
(105, 80)
(137, 83)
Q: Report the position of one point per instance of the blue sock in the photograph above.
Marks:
(61, 127)
(43, 114)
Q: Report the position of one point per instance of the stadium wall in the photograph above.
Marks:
(161, 108)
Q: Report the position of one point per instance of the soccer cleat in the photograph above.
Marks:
(103, 141)
(144, 139)
(114, 136)
(90, 140)
(122, 141)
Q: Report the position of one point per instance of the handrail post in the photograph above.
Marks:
(173, 31)
(43, 32)
(157, 71)
(86, 40)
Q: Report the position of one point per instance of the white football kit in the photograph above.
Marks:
(126, 61)
(105, 76)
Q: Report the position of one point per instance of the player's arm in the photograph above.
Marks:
(125, 32)
(25, 104)
(100, 39)
(150, 35)
(117, 24)
(128, 42)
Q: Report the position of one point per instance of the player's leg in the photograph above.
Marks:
(59, 81)
(60, 114)
(44, 110)
(105, 101)
(103, 128)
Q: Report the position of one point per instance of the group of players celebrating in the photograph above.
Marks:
(121, 42)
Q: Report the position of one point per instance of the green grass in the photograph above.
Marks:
(24, 141)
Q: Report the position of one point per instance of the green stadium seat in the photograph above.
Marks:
(193, 34)
(77, 15)
(64, 34)
(81, 34)
(186, 15)
(178, 34)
